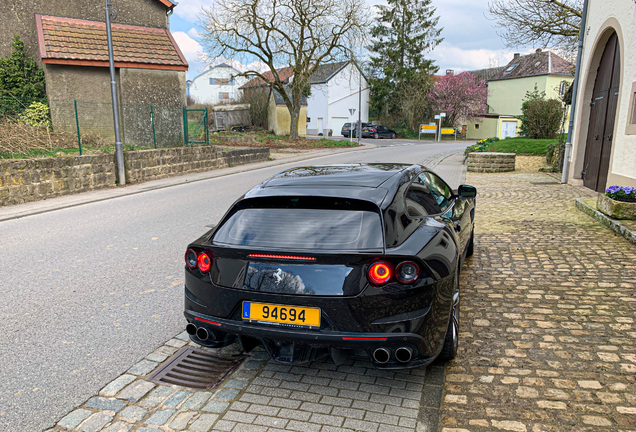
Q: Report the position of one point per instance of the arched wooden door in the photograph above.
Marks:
(598, 147)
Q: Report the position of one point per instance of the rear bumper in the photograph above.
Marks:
(319, 339)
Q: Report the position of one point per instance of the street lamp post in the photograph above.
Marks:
(119, 150)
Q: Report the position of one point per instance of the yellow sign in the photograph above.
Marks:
(428, 127)
(448, 131)
(281, 314)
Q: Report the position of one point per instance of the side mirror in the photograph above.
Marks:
(466, 191)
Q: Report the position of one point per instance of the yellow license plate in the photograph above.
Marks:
(295, 316)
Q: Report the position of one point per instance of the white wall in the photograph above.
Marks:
(331, 101)
(317, 108)
(604, 17)
(204, 92)
(343, 94)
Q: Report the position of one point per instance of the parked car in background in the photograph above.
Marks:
(378, 131)
(350, 131)
(359, 260)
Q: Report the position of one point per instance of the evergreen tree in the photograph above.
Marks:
(20, 76)
(406, 32)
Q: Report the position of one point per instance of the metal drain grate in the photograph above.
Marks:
(196, 368)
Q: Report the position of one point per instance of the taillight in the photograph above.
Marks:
(407, 272)
(380, 272)
(204, 262)
(191, 259)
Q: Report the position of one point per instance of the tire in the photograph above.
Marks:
(376, 135)
(393, 135)
(470, 248)
(451, 341)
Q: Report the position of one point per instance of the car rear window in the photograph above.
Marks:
(294, 226)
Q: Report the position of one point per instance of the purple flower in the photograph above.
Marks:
(613, 189)
(628, 189)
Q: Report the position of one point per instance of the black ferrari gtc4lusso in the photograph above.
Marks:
(350, 260)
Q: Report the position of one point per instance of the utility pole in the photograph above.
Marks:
(119, 150)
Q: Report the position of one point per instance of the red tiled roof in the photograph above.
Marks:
(284, 74)
(81, 42)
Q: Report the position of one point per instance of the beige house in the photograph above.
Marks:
(278, 116)
(507, 88)
(604, 138)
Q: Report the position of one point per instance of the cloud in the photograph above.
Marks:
(192, 50)
(449, 56)
(190, 10)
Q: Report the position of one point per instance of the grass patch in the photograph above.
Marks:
(522, 146)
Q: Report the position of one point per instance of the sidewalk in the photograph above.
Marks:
(547, 325)
(546, 344)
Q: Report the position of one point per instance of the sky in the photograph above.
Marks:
(470, 37)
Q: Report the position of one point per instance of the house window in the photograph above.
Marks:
(212, 81)
(631, 117)
(563, 88)
(476, 126)
(511, 68)
(634, 108)
(222, 81)
(231, 81)
(224, 95)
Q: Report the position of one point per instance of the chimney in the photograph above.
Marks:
(538, 50)
(517, 55)
(450, 72)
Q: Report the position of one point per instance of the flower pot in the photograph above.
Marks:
(616, 209)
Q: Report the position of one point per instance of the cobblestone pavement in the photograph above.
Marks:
(547, 325)
(547, 344)
(263, 396)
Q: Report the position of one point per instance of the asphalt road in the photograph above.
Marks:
(88, 291)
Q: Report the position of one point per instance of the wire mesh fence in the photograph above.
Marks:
(85, 126)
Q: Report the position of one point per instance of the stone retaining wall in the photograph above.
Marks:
(491, 162)
(37, 179)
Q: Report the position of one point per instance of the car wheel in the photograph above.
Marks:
(376, 135)
(393, 135)
(471, 244)
(451, 341)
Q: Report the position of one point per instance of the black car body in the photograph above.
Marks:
(349, 130)
(377, 131)
(358, 260)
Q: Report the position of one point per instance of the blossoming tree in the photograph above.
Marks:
(461, 96)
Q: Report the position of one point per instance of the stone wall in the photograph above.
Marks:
(37, 179)
(491, 162)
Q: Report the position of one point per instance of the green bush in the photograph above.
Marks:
(543, 118)
(37, 115)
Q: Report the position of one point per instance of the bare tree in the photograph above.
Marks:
(545, 23)
(300, 33)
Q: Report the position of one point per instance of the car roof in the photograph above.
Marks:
(370, 182)
(361, 175)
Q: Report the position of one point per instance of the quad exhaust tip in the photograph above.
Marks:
(191, 329)
(404, 354)
(381, 355)
(202, 334)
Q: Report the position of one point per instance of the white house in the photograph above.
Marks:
(604, 139)
(335, 89)
(216, 85)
